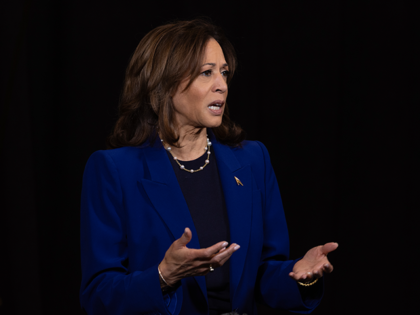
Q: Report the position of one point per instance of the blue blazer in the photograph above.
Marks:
(132, 209)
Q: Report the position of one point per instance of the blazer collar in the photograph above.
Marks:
(238, 200)
(167, 198)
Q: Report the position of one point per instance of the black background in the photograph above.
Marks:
(327, 86)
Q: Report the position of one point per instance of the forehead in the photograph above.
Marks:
(213, 52)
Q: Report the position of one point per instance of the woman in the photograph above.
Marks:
(180, 183)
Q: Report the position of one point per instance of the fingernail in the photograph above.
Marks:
(237, 247)
(224, 244)
(326, 265)
(309, 273)
(337, 244)
(185, 231)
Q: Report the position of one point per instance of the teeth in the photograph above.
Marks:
(214, 107)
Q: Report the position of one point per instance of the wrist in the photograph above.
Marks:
(165, 275)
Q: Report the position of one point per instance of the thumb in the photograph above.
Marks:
(329, 247)
(185, 237)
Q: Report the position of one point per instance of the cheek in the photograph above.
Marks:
(197, 96)
(195, 102)
(192, 100)
(181, 103)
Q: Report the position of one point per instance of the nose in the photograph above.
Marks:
(220, 85)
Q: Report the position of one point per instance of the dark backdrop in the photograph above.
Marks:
(327, 86)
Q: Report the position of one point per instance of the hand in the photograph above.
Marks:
(314, 264)
(181, 262)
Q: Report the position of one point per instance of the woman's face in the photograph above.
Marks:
(203, 103)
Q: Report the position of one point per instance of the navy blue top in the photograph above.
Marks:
(204, 196)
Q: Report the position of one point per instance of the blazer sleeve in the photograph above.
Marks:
(275, 287)
(108, 287)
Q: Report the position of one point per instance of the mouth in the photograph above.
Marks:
(216, 107)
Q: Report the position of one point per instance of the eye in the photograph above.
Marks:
(206, 73)
(225, 73)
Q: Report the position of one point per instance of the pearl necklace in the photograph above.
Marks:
(182, 167)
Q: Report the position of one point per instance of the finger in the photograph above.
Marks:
(308, 276)
(328, 248)
(211, 251)
(223, 260)
(318, 273)
(301, 276)
(208, 253)
(219, 259)
(229, 251)
(294, 276)
(185, 237)
(305, 276)
(220, 251)
(328, 268)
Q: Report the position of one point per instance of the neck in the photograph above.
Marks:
(191, 144)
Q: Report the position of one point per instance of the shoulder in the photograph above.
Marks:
(125, 164)
(120, 158)
(251, 152)
(117, 154)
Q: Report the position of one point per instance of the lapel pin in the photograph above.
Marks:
(238, 181)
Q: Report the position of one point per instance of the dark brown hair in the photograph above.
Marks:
(164, 57)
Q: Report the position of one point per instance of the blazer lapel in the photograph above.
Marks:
(166, 196)
(238, 200)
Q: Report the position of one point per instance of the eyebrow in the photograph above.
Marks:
(214, 65)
